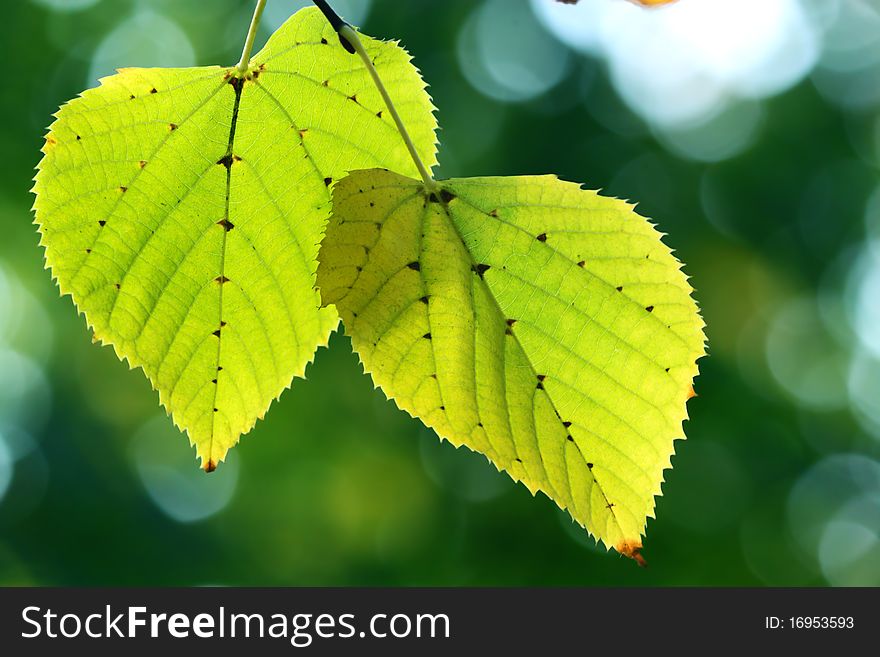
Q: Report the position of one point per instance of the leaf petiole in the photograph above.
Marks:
(352, 43)
(348, 33)
(242, 65)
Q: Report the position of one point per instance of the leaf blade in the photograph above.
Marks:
(491, 311)
(182, 211)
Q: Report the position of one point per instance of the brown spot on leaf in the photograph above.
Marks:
(210, 466)
(619, 288)
(415, 266)
(542, 237)
(691, 392)
(102, 222)
(328, 181)
(582, 263)
(142, 164)
(227, 225)
(650, 309)
(379, 114)
(427, 336)
(632, 549)
(481, 269)
(323, 41)
(123, 189)
(172, 127)
(221, 279)
(493, 213)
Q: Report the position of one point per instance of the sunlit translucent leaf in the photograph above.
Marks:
(542, 325)
(182, 210)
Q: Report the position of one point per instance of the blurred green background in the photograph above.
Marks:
(747, 129)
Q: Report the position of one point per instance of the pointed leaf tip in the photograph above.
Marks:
(633, 550)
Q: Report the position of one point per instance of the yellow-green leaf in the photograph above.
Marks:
(542, 325)
(182, 210)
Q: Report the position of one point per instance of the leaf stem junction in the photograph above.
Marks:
(242, 66)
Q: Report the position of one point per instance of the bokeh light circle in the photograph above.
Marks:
(849, 69)
(804, 357)
(864, 391)
(171, 477)
(719, 52)
(145, 39)
(726, 134)
(505, 54)
(66, 5)
(351, 11)
(831, 508)
(24, 391)
(6, 313)
(849, 550)
(863, 292)
(6, 467)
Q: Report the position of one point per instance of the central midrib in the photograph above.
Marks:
(455, 231)
(237, 84)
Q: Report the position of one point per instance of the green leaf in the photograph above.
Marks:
(182, 210)
(541, 325)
